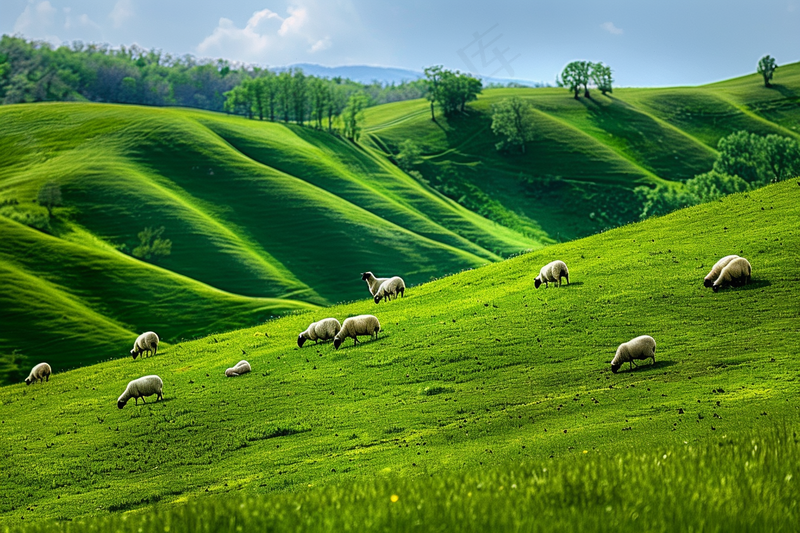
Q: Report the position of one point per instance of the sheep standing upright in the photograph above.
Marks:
(372, 282)
(146, 342)
(716, 270)
(40, 372)
(324, 330)
(552, 271)
(139, 388)
(242, 367)
(642, 347)
(735, 274)
(390, 288)
(355, 326)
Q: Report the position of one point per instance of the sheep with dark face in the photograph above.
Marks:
(642, 347)
(356, 326)
(390, 288)
(40, 372)
(716, 270)
(145, 343)
(372, 282)
(552, 272)
(735, 274)
(324, 330)
(139, 388)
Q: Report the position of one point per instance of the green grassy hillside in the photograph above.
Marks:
(473, 371)
(284, 217)
(588, 154)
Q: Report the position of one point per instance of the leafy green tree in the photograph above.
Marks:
(433, 78)
(767, 67)
(781, 157)
(152, 245)
(758, 159)
(409, 156)
(299, 96)
(601, 76)
(572, 77)
(513, 119)
(284, 97)
(353, 114)
(713, 186)
(49, 196)
(662, 199)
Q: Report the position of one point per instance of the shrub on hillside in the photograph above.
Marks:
(151, 245)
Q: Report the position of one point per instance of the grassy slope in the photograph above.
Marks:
(473, 370)
(283, 228)
(602, 147)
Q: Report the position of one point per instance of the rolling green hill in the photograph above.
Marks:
(588, 154)
(266, 217)
(472, 372)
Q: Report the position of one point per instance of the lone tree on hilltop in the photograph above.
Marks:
(574, 76)
(767, 67)
(513, 119)
(601, 76)
(49, 196)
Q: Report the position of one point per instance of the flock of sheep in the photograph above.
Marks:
(731, 270)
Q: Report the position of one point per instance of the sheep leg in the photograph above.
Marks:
(143, 400)
(136, 400)
(48, 378)
(155, 350)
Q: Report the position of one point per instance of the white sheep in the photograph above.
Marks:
(712, 276)
(242, 367)
(552, 271)
(324, 330)
(372, 282)
(736, 273)
(40, 372)
(139, 388)
(390, 288)
(642, 347)
(355, 326)
(146, 342)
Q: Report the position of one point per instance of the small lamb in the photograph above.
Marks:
(146, 342)
(355, 326)
(736, 274)
(372, 282)
(716, 270)
(642, 347)
(553, 271)
(324, 330)
(242, 367)
(139, 388)
(390, 288)
(40, 372)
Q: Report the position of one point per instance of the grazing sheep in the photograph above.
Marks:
(712, 276)
(242, 367)
(390, 287)
(642, 347)
(139, 388)
(553, 271)
(355, 326)
(736, 273)
(372, 282)
(324, 330)
(146, 342)
(40, 372)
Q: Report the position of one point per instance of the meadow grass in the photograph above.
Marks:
(472, 373)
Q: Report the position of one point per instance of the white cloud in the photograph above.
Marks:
(123, 10)
(37, 21)
(610, 28)
(81, 22)
(266, 36)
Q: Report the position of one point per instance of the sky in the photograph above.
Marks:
(646, 43)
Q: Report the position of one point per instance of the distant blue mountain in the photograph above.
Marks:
(384, 75)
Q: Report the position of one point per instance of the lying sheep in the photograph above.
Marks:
(139, 388)
(146, 342)
(40, 372)
(355, 326)
(242, 367)
(642, 347)
(712, 276)
(389, 288)
(553, 271)
(736, 273)
(324, 330)
(372, 282)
